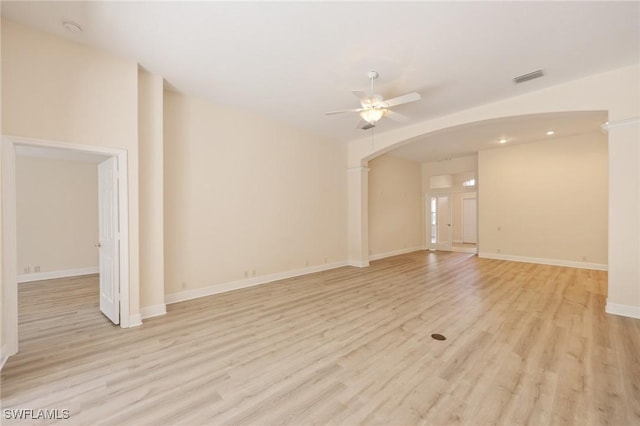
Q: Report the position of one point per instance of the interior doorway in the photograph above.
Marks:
(452, 221)
(115, 192)
(467, 234)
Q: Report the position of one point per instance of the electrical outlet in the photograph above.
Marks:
(254, 272)
(497, 250)
(27, 269)
(36, 268)
(246, 274)
(184, 285)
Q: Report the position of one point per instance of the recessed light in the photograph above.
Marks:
(72, 27)
(551, 133)
(503, 140)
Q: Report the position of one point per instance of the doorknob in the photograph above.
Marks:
(98, 245)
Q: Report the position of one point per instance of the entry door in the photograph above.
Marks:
(440, 231)
(109, 243)
(469, 221)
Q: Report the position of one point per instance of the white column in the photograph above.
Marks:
(358, 216)
(8, 262)
(151, 172)
(624, 218)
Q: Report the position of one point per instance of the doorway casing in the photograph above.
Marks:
(9, 232)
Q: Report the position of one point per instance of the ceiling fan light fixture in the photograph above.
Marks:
(372, 115)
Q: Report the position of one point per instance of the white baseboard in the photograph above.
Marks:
(153, 311)
(39, 276)
(623, 310)
(135, 320)
(463, 249)
(394, 253)
(181, 296)
(358, 263)
(543, 261)
(4, 356)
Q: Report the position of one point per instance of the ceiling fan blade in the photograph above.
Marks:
(344, 110)
(396, 117)
(409, 97)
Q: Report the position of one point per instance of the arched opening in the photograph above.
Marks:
(544, 189)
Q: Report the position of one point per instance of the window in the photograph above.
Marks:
(434, 215)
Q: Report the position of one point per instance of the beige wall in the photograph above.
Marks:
(394, 205)
(624, 213)
(62, 91)
(57, 214)
(246, 196)
(546, 199)
(150, 132)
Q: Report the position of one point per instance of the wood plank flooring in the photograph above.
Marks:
(526, 344)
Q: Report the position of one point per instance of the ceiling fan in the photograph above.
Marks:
(374, 106)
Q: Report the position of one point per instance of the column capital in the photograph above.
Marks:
(362, 169)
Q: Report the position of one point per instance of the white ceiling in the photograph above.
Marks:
(468, 139)
(293, 61)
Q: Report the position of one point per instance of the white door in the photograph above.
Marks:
(109, 239)
(469, 221)
(440, 232)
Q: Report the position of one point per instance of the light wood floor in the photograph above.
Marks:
(526, 344)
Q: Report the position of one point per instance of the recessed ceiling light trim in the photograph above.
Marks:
(529, 76)
(71, 26)
(551, 133)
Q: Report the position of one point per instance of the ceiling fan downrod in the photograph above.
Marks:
(372, 76)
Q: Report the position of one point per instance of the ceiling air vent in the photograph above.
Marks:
(526, 77)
